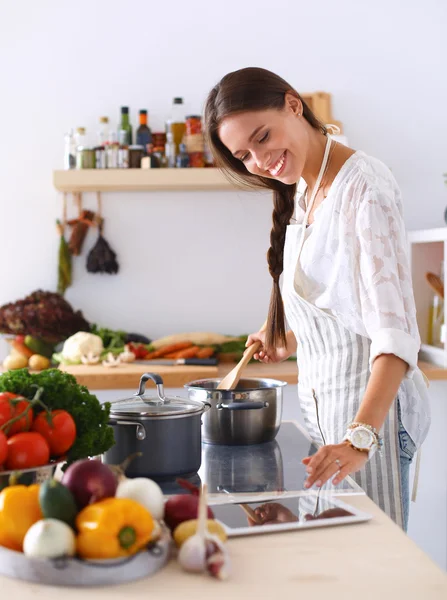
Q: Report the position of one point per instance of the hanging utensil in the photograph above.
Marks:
(80, 226)
(64, 268)
(101, 258)
(230, 381)
(436, 283)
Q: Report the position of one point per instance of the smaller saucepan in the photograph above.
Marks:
(249, 414)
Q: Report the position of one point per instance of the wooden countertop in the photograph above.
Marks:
(374, 559)
(127, 376)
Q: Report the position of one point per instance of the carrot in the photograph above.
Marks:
(174, 348)
(24, 350)
(187, 353)
(205, 352)
(166, 350)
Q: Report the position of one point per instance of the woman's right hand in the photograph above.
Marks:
(278, 355)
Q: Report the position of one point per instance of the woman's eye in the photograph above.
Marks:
(244, 158)
(264, 138)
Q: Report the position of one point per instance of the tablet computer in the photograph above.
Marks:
(284, 514)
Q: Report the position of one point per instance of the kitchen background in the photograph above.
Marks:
(196, 260)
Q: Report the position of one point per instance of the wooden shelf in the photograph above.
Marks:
(139, 180)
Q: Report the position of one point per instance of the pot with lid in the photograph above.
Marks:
(165, 429)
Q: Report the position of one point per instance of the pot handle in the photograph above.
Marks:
(140, 432)
(158, 382)
(243, 405)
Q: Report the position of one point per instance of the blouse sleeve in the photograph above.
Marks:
(385, 286)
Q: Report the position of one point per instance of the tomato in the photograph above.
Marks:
(11, 406)
(139, 350)
(27, 450)
(3, 448)
(60, 433)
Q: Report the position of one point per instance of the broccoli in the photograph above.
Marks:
(93, 434)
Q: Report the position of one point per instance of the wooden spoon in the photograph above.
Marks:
(435, 282)
(230, 381)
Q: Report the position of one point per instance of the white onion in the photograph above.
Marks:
(144, 491)
(49, 538)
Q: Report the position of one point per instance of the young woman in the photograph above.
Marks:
(347, 294)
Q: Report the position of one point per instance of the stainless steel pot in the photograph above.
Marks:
(250, 414)
(166, 430)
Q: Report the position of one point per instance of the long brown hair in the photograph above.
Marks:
(245, 90)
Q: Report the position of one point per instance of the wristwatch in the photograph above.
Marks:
(363, 439)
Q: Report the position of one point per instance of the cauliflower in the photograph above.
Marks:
(80, 344)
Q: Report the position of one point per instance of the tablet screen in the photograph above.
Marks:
(287, 513)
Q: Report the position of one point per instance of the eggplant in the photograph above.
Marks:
(137, 338)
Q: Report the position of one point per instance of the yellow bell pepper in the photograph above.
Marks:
(19, 509)
(113, 528)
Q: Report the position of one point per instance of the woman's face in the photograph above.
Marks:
(271, 143)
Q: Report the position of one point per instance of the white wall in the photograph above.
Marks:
(197, 260)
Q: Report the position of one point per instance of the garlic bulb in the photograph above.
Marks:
(90, 359)
(127, 356)
(111, 361)
(203, 551)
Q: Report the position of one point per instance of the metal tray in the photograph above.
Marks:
(75, 572)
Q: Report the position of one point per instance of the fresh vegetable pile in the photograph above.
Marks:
(48, 415)
(44, 315)
(27, 351)
(95, 512)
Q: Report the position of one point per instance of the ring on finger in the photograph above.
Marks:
(337, 462)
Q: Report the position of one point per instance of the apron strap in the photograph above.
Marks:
(314, 193)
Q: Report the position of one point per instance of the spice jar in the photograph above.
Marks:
(194, 141)
(159, 140)
(136, 153)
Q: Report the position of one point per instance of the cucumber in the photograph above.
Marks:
(38, 346)
(57, 502)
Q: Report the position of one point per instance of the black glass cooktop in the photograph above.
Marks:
(261, 468)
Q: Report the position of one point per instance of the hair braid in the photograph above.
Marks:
(284, 205)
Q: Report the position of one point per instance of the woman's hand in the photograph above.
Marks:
(335, 459)
(278, 355)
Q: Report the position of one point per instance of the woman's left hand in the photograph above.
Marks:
(335, 459)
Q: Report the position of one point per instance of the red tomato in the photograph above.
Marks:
(60, 433)
(3, 448)
(11, 407)
(27, 450)
(6, 407)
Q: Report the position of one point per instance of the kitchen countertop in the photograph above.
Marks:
(127, 376)
(374, 559)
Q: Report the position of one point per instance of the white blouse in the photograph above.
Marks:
(354, 264)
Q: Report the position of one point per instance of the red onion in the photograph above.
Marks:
(89, 481)
(183, 507)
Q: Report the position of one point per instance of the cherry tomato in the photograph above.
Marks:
(27, 450)
(60, 433)
(3, 448)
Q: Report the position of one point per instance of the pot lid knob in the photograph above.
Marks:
(158, 382)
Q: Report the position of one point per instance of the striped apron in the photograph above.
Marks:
(333, 365)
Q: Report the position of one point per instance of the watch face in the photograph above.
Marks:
(362, 438)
